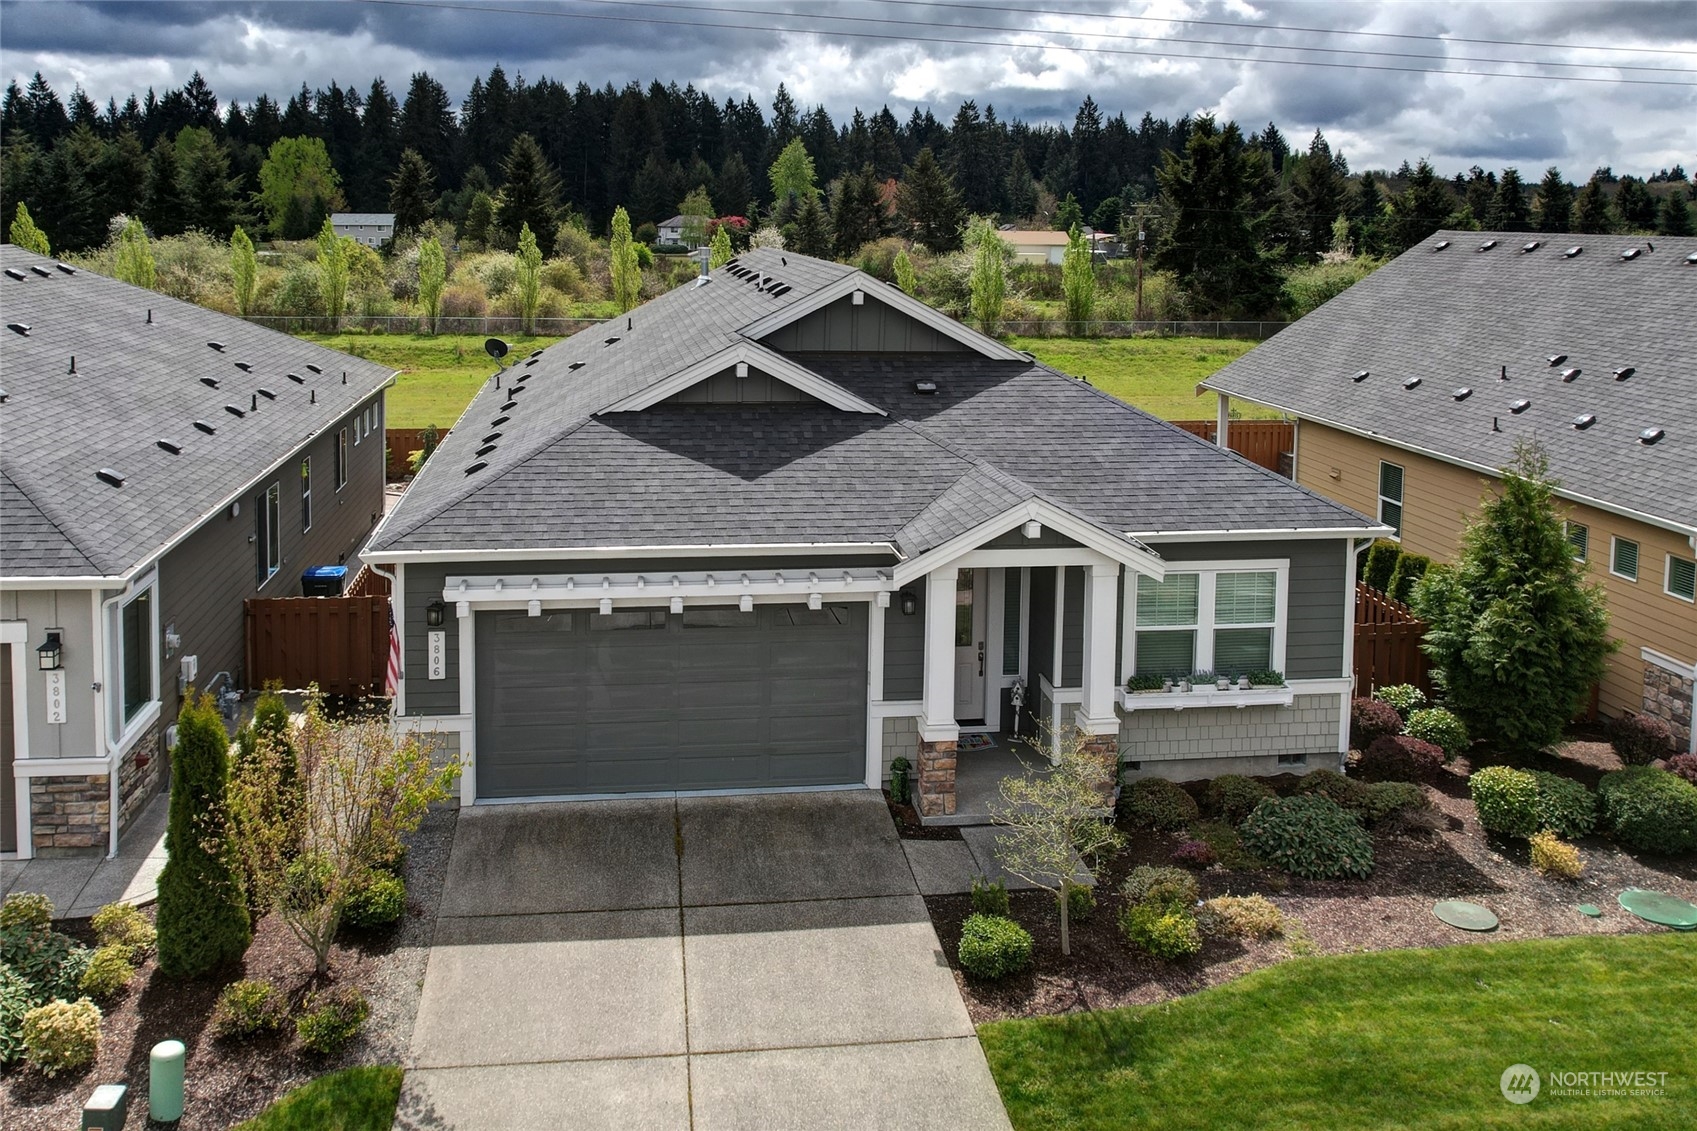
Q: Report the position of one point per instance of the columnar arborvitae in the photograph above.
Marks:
(202, 920)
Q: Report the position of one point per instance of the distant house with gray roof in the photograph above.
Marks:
(785, 524)
(1412, 388)
(159, 463)
(373, 229)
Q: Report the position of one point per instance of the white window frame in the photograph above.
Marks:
(342, 458)
(1206, 582)
(270, 521)
(1667, 578)
(306, 494)
(1580, 552)
(1401, 508)
(1637, 558)
(128, 729)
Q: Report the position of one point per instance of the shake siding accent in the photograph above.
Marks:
(1042, 645)
(203, 582)
(1072, 630)
(872, 327)
(1314, 625)
(904, 647)
(1439, 499)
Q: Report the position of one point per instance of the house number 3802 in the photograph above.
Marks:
(55, 696)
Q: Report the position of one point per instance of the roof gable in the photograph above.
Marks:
(739, 359)
(858, 289)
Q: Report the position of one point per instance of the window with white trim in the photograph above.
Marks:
(267, 531)
(136, 653)
(1623, 559)
(1390, 496)
(306, 494)
(1579, 537)
(1681, 578)
(341, 459)
(1224, 620)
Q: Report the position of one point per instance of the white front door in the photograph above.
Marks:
(971, 601)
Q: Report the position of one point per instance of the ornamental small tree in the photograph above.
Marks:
(244, 265)
(905, 277)
(135, 257)
(432, 280)
(332, 273)
(989, 279)
(1057, 818)
(202, 918)
(719, 251)
(1078, 281)
(527, 275)
(1517, 637)
(26, 235)
(626, 269)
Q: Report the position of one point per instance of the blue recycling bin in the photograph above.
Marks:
(324, 581)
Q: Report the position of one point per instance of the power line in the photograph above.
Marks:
(931, 24)
(959, 41)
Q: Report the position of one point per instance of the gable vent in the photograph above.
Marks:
(1487, 245)
(42, 271)
(1556, 359)
(296, 378)
(209, 382)
(20, 328)
(498, 421)
(235, 411)
(1411, 383)
(203, 426)
(476, 467)
(1569, 376)
(114, 478)
(1440, 245)
(1584, 421)
(1650, 436)
(925, 388)
(1360, 377)
(1520, 406)
(1572, 252)
(1624, 372)
(219, 346)
(1632, 253)
(66, 268)
(313, 367)
(1531, 245)
(12, 273)
(1462, 393)
(171, 446)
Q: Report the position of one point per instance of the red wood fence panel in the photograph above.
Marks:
(1259, 441)
(1387, 644)
(400, 444)
(339, 643)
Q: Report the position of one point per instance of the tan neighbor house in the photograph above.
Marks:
(1411, 388)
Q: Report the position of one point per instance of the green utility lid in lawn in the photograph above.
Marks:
(1467, 916)
(1660, 907)
(1591, 909)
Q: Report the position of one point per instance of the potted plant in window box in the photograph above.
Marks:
(1144, 684)
(1222, 682)
(1266, 677)
(1202, 681)
(1243, 682)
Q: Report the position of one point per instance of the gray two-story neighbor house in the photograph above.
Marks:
(159, 463)
(779, 526)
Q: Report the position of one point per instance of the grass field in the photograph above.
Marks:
(440, 375)
(1393, 1039)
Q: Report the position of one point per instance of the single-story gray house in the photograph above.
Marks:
(779, 526)
(159, 464)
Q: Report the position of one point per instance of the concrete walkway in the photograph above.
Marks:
(701, 963)
(81, 885)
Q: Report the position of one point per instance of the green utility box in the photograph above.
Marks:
(106, 1109)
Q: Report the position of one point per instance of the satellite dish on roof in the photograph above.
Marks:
(495, 348)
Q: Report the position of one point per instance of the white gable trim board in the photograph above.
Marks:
(1090, 536)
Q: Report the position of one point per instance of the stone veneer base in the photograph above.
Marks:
(936, 779)
(1667, 696)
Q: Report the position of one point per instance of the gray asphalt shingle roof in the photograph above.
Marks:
(1456, 317)
(138, 382)
(996, 434)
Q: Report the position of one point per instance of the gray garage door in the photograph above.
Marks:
(713, 698)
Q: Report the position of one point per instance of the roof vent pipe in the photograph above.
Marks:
(150, 316)
(313, 398)
(253, 407)
(73, 368)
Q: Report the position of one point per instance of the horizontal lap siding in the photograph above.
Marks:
(904, 648)
(1072, 630)
(872, 327)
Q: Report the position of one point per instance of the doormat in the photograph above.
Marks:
(976, 742)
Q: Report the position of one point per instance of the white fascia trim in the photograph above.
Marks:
(889, 296)
(1264, 535)
(49, 583)
(1494, 473)
(1668, 663)
(59, 767)
(658, 589)
(758, 356)
(703, 550)
(1085, 533)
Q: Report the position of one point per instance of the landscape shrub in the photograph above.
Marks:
(1403, 698)
(1381, 564)
(1565, 806)
(1506, 799)
(1410, 568)
(330, 1018)
(1345, 792)
(1640, 739)
(16, 999)
(109, 971)
(1371, 720)
(248, 1007)
(1241, 917)
(1308, 836)
(1441, 728)
(1685, 766)
(27, 909)
(299, 295)
(49, 962)
(380, 903)
(1399, 757)
(1158, 804)
(989, 897)
(1166, 932)
(1232, 797)
(992, 946)
(1149, 883)
(122, 925)
(1081, 902)
(465, 301)
(1195, 854)
(1387, 799)
(62, 1035)
(1650, 810)
(1555, 857)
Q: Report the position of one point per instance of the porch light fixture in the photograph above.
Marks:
(49, 653)
(434, 613)
(910, 602)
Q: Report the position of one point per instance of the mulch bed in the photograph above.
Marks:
(908, 825)
(230, 1081)
(1392, 909)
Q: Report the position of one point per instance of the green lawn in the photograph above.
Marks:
(354, 1099)
(1413, 1038)
(1158, 375)
(439, 375)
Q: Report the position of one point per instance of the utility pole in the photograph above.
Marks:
(1140, 272)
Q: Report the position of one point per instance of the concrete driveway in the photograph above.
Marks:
(701, 963)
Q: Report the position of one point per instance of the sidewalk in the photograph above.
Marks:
(81, 885)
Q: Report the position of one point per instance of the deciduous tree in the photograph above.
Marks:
(989, 279)
(627, 273)
(26, 235)
(244, 266)
(432, 279)
(298, 187)
(527, 277)
(134, 263)
(792, 174)
(332, 273)
(1078, 281)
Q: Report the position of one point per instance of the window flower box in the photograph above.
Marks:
(1206, 696)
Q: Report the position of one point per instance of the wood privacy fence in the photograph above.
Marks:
(339, 643)
(399, 445)
(1387, 643)
(1259, 441)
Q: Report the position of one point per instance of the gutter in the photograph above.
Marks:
(709, 549)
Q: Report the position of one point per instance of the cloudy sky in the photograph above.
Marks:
(1497, 82)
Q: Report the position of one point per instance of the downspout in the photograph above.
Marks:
(399, 626)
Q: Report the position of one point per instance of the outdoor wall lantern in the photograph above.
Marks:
(910, 602)
(49, 653)
(434, 613)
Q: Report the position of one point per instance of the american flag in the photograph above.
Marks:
(392, 682)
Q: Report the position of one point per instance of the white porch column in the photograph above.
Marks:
(938, 723)
(1101, 625)
(1222, 419)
